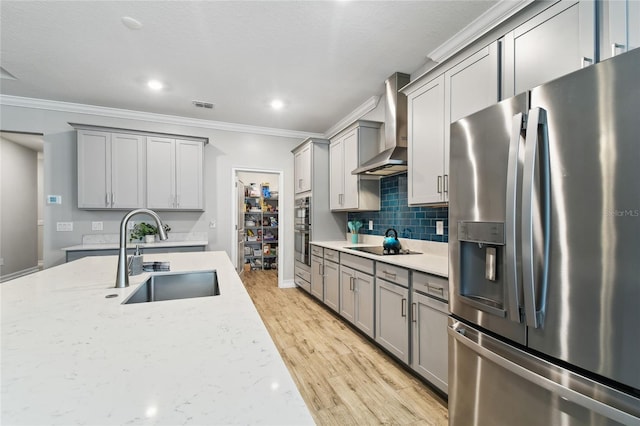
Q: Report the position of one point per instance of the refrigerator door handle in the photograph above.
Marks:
(470, 339)
(535, 195)
(511, 250)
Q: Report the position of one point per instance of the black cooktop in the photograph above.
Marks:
(382, 252)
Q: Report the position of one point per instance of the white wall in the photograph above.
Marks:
(225, 151)
(18, 201)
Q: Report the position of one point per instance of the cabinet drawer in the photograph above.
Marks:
(303, 274)
(332, 255)
(356, 262)
(394, 274)
(431, 285)
(306, 285)
(317, 251)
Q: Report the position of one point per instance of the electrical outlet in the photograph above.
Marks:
(64, 226)
(439, 227)
(96, 226)
(212, 223)
(370, 225)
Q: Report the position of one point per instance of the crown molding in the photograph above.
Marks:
(368, 106)
(497, 14)
(18, 101)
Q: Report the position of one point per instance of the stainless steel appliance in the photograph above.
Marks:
(544, 245)
(302, 230)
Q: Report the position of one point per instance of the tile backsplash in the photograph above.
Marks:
(418, 223)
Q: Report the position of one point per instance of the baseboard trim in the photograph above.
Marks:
(288, 284)
(18, 274)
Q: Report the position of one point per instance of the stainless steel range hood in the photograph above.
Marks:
(393, 159)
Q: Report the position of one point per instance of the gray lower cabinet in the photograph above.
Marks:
(317, 277)
(331, 285)
(429, 339)
(392, 321)
(356, 298)
(302, 276)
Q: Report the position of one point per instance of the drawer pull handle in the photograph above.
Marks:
(435, 288)
(390, 274)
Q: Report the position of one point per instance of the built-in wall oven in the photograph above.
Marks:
(302, 230)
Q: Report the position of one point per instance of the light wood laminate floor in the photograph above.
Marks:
(344, 378)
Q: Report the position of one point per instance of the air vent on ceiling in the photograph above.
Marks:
(203, 104)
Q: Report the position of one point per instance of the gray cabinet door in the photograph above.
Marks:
(556, 42)
(364, 291)
(430, 350)
(127, 171)
(426, 134)
(332, 285)
(620, 31)
(392, 322)
(336, 175)
(94, 169)
(317, 277)
(347, 294)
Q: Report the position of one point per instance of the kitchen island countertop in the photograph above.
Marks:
(72, 356)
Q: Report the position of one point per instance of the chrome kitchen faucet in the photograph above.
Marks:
(122, 276)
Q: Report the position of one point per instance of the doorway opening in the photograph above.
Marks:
(21, 203)
(258, 245)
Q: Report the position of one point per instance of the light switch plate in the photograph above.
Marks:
(97, 226)
(64, 226)
(439, 227)
(370, 225)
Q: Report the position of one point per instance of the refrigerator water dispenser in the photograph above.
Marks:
(482, 275)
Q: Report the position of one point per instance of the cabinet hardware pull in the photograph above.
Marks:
(351, 284)
(439, 184)
(435, 288)
(390, 274)
(414, 313)
(177, 201)
(586, 62)
(615, 47)
(106, 199)
(404, 307)
(446, 184)
(113, 199)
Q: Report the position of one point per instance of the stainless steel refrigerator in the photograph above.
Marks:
(544, 244)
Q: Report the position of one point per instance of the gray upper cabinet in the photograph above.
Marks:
(467, 87)
(427, 156)
(174, 174)
(620, 27)
(110, 170)
(303, 165)
(559, 40)
(351, 147)
(127, 169)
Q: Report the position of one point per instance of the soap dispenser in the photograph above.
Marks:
(135, 263)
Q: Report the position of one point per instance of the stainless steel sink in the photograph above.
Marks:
(180, 285)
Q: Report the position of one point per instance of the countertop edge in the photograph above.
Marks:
(428, 263)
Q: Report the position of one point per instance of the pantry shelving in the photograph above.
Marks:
(261, 228)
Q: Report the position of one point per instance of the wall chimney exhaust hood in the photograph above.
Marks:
(393, 160)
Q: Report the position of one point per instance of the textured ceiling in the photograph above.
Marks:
(323, 58)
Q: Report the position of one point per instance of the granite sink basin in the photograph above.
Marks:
(172, 286)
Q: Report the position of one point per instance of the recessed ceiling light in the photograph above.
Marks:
(155, 85)
(131, 23)
(277, 104)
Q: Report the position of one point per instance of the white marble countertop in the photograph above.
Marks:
(72, 356)
(433, 260)
(116, 246)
